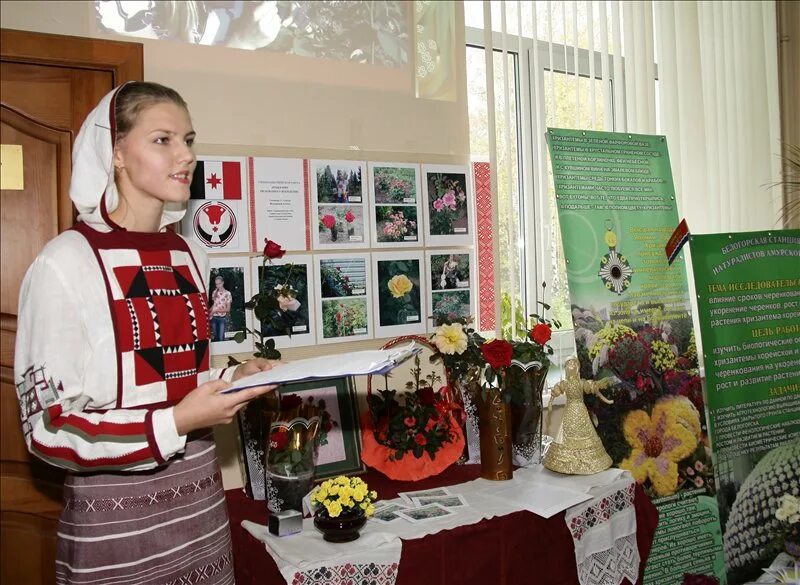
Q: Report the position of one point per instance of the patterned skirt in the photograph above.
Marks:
(168, 525)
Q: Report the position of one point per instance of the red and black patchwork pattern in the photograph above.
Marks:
(162, 318)
(159, 309)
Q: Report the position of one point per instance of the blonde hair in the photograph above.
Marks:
(135, 97)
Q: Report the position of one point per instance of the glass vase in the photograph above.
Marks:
(290, 461)
(525, 383)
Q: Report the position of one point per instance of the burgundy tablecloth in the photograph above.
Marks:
(519, 548)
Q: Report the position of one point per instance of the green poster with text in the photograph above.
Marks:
(632, 322)
(748, 295)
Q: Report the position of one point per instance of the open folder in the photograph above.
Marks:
(359, 363)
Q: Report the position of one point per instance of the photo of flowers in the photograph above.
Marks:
(394, 183)
(340, 204)
(228, 291)
(294, 313)
(340, 224)
(396, 205)
(344, 277)
(398, 287)
(396, 224)
(344, 318)
(450, 271)
(449, 305)
(338, 181)
(343, 297)
(656, 426)
(447, 205)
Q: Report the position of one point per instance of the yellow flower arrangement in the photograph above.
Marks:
(607, 336)
(400, 285)
(662, 357)
(344, 494)
(691, 350)
(450, 339)
(659, 441)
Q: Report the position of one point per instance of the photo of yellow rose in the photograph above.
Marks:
(399, 298)
(400, 285)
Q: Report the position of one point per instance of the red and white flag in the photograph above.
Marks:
(214, 179)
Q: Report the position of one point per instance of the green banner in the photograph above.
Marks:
(748, 295)
(631, 315)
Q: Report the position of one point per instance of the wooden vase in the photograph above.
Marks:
(494, 420)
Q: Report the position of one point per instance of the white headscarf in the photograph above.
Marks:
(92, 183)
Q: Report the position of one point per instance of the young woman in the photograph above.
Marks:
(112, 358)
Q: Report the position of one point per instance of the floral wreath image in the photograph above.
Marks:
(615, 270)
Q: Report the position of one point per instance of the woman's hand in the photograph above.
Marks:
(205, 406)
(252, 367)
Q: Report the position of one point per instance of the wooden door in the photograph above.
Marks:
(48, 84)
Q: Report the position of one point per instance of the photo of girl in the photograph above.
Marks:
(226, 302)
(450, 271)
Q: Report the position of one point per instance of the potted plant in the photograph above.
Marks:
(342, 506)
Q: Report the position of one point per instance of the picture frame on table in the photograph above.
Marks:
(341, 453)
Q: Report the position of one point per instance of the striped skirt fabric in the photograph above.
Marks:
(165, 526)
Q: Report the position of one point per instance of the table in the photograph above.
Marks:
(519, 548)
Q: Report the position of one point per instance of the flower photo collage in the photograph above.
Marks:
(391, 242)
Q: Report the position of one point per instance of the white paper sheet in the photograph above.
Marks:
(359, 363)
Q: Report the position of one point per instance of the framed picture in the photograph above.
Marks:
(340, 448)
(297, 271)
(396, 205)
(451, 284)
(449, 204)
(339, 203)
(399, 292)
(228, 291)
(343, 297)
(216, 215)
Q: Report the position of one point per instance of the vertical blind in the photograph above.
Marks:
(561, 40)
(717, 91)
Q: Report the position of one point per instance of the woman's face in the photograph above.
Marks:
(155, 158)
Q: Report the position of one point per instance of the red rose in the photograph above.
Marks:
(410, 421)
(420, 439)
(426, 396)
(497, 353)
(290, 401)
(541, 333)
(349, 217)
(278, 440)
(273, 249)
(328, 221)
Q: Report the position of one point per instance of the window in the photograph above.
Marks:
(568, 38)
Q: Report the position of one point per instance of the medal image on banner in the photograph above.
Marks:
(216, 216)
